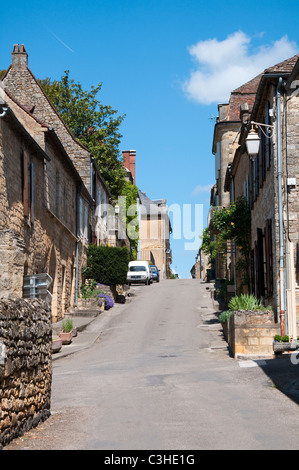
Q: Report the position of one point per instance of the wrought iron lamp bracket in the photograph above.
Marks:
(268, 130)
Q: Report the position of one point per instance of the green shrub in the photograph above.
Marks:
(224, 316)
(67, 325)
(107, 265)
(246, 302)
(282, 339)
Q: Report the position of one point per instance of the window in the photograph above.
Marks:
(83, 220)
(57, 193)
(27, 184)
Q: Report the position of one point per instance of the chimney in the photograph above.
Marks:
(129, 161)
(126, 159)
(19, 56)
(132, 164)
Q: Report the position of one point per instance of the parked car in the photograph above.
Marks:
(155, 273)
(139, 272)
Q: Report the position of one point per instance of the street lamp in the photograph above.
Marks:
(253, 139)
(253, 144)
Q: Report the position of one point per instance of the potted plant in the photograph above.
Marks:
(56, 345)
(284, 343)
(67, 331)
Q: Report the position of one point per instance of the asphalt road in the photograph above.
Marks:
(160, 377)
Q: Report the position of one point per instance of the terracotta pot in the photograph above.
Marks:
(56, 345)
(66, 337)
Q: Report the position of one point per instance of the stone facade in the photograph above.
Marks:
(67, 202)
(25, 366)
(251, 333)
(200, 268)
(268, 280)
(154, 233)
(273, 270)
(38, 208)
(20, 82)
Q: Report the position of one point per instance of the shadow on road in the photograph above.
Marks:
(283, 372)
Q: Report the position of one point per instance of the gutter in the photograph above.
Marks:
(280, 212)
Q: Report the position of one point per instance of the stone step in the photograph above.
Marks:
(84, 312)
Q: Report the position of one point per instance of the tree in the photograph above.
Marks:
(93, 124)
(129, 216)
(107, 264)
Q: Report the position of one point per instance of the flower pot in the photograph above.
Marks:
(56, 345)
(66, 337)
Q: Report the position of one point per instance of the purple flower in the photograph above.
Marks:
(108, 301)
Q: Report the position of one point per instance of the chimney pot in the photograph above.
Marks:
(19, 56)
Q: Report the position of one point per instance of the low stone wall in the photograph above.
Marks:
(251, 333)
(25, 366)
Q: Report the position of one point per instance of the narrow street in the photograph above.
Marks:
(160, 377)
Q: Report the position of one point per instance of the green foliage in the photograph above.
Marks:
(246, 302)
(242, 302)
(93, 124)
(89, 289)
(108, 265)
(67, 325)
(233, 223)
(224, 316)
(129, 216)
(209, 246)
(282, 339)
(230, 223)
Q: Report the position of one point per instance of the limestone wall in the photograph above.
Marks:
(25, 366)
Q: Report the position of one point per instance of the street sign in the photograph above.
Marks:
(36, 286)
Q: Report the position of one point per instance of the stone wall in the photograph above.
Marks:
(25, 366)
(292, 145)
(251, 333)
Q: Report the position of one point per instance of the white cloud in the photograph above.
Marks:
(222, 66)
(201, 189)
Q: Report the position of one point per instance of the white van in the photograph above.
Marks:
(139, 272)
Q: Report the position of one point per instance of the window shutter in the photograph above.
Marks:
(25, 184)
(31, 193)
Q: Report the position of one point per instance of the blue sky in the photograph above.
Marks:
(166, 65)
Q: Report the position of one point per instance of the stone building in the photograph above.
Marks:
(200, 269)
(154, 233)
(20, 82)
(40, 193)
(268, 181)
(225, 143)
(65, 203)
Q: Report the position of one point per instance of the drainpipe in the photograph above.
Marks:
(280, 211)
(91, 178)
(77, 244)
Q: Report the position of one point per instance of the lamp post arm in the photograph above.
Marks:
(269, 128)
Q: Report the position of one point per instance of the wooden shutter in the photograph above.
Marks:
(269, 256)
(31, 175)
(260, 264)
